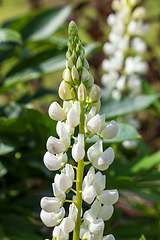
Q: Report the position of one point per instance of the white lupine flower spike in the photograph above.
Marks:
(80, 114)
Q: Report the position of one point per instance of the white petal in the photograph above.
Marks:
(73, 118)
(90, 215)
(108, 197)
(48, 219)
(50, 204)
(84, 233)
(62, 158)
(73, 211)
(94, 125)
(63, 134)
(108, 237)
(96, 227)
(55, 146)
(67, 225)
(78, 152)
(59, 214)
(56, 112)
(51, 162)
(69, 171)
(99, 183)
(63, 181)
(94, 151)
(106, 212)
(110, 131)
(57, 192)
(105, 159)
(89, 194)
(59, 233)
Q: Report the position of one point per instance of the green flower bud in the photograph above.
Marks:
(97, 105)
(86, 64)
(85, 75)
(95, 93)
(69, 63)
(68, 54)
(75, 75)
(79, 63)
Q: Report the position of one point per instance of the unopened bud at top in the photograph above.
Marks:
(95, 93)
(64, 92)
(82, 92)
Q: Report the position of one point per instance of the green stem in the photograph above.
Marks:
(79, 177)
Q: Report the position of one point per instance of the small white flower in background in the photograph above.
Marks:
(77, 81)
(108, 237)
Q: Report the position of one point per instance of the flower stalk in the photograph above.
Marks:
(81, 102)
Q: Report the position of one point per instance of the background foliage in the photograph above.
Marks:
(33, 42)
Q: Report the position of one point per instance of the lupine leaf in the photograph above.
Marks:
(142, 237)
(9, 35)
(114, 108)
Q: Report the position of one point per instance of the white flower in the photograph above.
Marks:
(59, 233)
(94, 124)
(106, 212)
(99, 182)
(139, 12)
(73, 211)
(109, 48)
(108, 237)
(50, 204)
(63, 181)
(63, 134)
(57, 192)
(129, 144)
(73, 118)
(56, 112)
(96, 227)
(89, 178)
(51, 162)
(95, 93)
(55, 146)
(95, 151)
(82, 92)
(67, 225)
(67, 75)
(108, 197)
(111, 20)
(66, 106)
(78, 152)
(64, 91)
(48, 219)
(139, 45)
(69, 171)
(104, 160)
(89, 194)
(110, 131)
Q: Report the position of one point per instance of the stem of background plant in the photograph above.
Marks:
(79, 177)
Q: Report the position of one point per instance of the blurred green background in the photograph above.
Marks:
(33, 43)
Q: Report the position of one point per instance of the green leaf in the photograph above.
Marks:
(126, 132)
(46, 23)
(114, 108)
(9, 35)
(142, 237)
(3, 170)
(147, 194)
(146, 163)
(4, 149)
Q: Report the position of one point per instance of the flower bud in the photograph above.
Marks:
(69, 63)
(108, 237)
(108, 197)
(94, 125)
(69, 171)
(63, 134)
(78, 152)
(51, 162)
(89, 194)
(85, 75)
(106, 212)
(56, 112)
(97, 105)
(75, 75)
(79, 63)
(63, 181)
(110, 131)
(59, 234)
(66, 106)
(73, 118)
(73, 211)
(86, 64)
(48, 219)
(64, 91)
(82, 92)
(67, 225)
(104, 160)
(66, 75)
(50, 204)
(139, 12)
(96, 227)
(95, 93)
(90, 81)
(57, 192)
(55, 146)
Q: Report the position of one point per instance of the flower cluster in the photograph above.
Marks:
(125, 50)
(81, 102)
